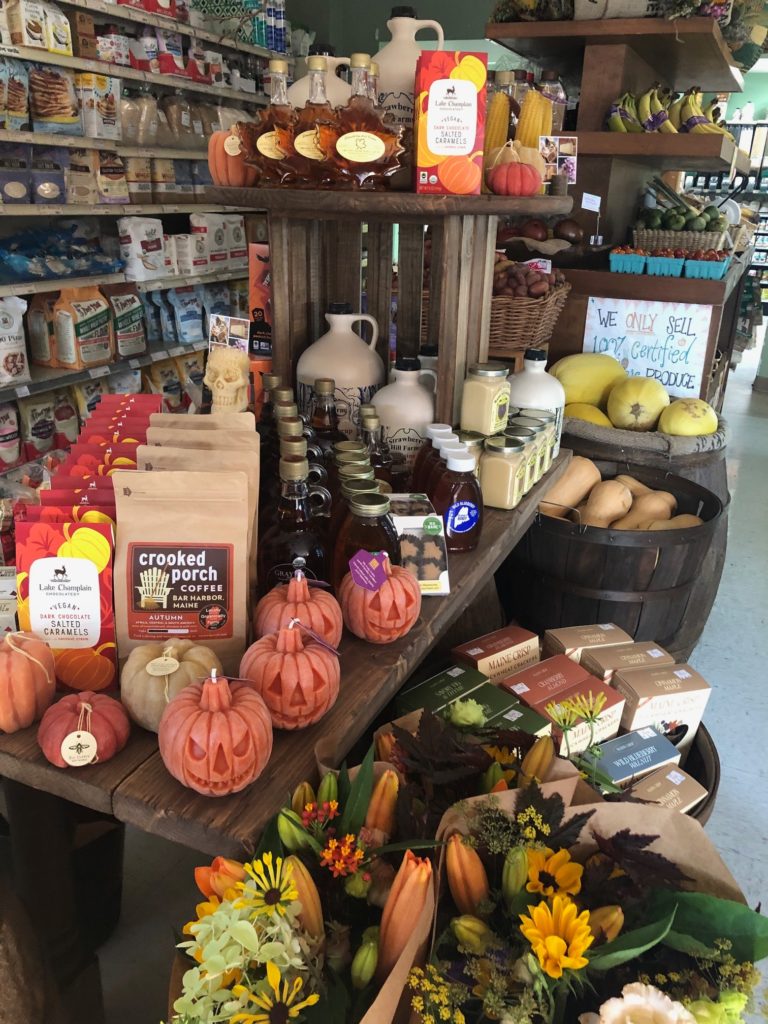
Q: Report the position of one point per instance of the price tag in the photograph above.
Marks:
(590, 202)
(134, 363)
(9, 51)
(22, 391)
(177, 350)
(157, 356)
(543, 266)
(98, 371)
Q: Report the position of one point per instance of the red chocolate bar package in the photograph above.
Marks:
(64, 580)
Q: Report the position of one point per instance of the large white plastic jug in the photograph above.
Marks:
(534, 388)
(406, 408)
(337, 91)
(353, 363)
(397, 63)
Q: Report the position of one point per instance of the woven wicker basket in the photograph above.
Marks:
(516, 323)
(657, 239)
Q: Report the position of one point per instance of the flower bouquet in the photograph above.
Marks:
(603, 914)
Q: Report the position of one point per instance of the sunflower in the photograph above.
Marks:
(270, 888)
(275, 1007)
(559, 936)
(553, 873)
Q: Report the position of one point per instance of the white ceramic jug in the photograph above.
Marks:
(353, 363)
(406, 408)
(337, 91)
(397, 63)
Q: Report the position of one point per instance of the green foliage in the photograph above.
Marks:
(629, 945)
(701, 920)
(354, 808)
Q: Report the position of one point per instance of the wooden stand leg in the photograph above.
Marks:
(41, 841)
(379, 282)
(410, 274)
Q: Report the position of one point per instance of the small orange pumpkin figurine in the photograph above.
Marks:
(87, 668)
(216, 737)
(298, 679)
(384, 615)
(226, 161)
(103, 717)
(27, 680)
(313, 606)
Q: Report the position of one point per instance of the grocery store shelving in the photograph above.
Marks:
(113, 209)
(102, 67)
(109, 145)
(157, 285)
(45, 378)
(123, 12)
(706, 152)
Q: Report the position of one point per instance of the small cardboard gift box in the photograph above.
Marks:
(499, 653)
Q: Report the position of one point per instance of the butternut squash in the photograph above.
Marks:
(654, 505)
(681, 522)
(607, 502)
(571, 489)
(635, 487)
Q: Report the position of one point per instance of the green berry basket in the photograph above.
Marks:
(657, 238)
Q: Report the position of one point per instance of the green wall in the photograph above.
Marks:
(356, 26)
(756, 90)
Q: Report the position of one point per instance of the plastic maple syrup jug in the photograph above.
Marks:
(337, 90)
(397, 63)
(353, 363)
(406, 408)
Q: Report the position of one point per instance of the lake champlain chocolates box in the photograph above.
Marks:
(671, 787)
(572, 640)
(437, 692)
(500, 653)
(604, 661)
(633, 755)
(671, 698)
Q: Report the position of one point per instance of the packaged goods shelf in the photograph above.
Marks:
(45, 378)
(112, 209)
(102, 67)
(163, 283)
(122, 12)
(111, 146)
(56, 284)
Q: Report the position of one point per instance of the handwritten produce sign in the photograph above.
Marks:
(663, 340)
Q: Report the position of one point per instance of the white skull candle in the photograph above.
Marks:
(227, 377)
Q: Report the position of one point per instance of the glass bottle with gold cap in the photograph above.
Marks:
(363, 148)
(378, 451)
(323, 417)
(309, 164)
(367, 527)
(295, 540)
(269, 382)
(268, 140)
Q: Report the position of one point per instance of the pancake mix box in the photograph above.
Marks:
(573, 640)
(671, 787)
(450, 122)
(604, 661)
(671, 698)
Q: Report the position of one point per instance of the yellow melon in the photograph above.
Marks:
(637, 403)
(688, 417)
(588, 377)
(589, 413)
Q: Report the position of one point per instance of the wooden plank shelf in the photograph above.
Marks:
(111, 209)
(371, 675)
(669, 152)
(607, 285)
(364, 205)
(684, 53)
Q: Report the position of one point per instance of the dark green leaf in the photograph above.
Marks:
(354, 810)
(407, 844)
(569, 834)
(270, 841)
(704, 918)
(629, 945)
(333, 1007)
(343, 784)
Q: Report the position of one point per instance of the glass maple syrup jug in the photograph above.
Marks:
(337, 90)
(362, 146)
(308, 163)
(353, 363)
(269, 139)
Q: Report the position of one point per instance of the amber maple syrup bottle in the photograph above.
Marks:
(272, 133)
(296, 537)
(364, 149)
(368, 526)
(324, 419)
(308, 163)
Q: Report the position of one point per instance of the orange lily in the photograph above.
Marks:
(467, 878)
(221, 877)
(402, 910)
(381, 809)
(311, 915)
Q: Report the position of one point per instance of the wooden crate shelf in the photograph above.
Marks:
(683, 53)
(668, 152)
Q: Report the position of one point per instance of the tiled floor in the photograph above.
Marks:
(159, 891)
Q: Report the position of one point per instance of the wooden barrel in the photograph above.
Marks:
(565, 574)
(707, 468)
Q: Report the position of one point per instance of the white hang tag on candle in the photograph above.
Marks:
(165, 665)
(79, 748)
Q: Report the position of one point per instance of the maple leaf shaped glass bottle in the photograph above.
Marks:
(309, 166)
(269, 139)
(361, 145)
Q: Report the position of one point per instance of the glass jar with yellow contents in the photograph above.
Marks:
(485, 398)
(530, 452)
(539, 431)
(503, 467)
(548, 418)
(474, 443)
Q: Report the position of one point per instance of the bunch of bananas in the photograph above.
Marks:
(535, 119)
(659, 110)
